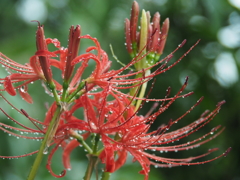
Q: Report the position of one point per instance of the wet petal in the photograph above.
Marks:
(24, 94)
(9, 87)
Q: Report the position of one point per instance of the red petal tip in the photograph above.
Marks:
(221, 103)
(227, 151)
(212, 150)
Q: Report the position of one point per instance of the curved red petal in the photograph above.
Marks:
(48, 166)
(67, 151)
(54, 41)
(34, 63)
(45, 53)
(122, 157)
(24, 94)
(9, 87)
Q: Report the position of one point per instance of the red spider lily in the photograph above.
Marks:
(43, 54)
(155, 36)
(123, 131)
(101, 59)
(73, 46)
(60, 139)
(67, 55)
(25, 73)
(134, 136)
(102, 77)
(109, 114)
(40, 64)
(37, 68)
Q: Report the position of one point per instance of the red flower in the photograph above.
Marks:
(25, 73)
(133, 135)
(155, 36)
(122, 131)
(110, 116)
(60, 138)
(40, 68)
(37, 68)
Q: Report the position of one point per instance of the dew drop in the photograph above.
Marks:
(45, 151)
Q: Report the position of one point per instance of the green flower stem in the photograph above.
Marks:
(95, 145)
(142, 92)
(142, 64)
(92, 157)
(80, 87)
(91, 165)
(133, 90)
(81, 141)
(44, 145)
(64, 94)
(105, 175)
(99, 151)
(52, 86)
(56, 97)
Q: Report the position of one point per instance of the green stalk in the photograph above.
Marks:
(81, 141)
(92, 163)
(142, 92)
(64, 94)
(105, 175)
(80, 87)
(142, 64)
(56, 97)
(52, 86)
(133, 90)
(43, 146)
(95, 144)
(93, 159)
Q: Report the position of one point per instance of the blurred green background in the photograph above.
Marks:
(212, 67)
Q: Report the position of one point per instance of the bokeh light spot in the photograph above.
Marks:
(226, 72)
(29, 10)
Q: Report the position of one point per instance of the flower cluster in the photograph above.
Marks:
(111, 117)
